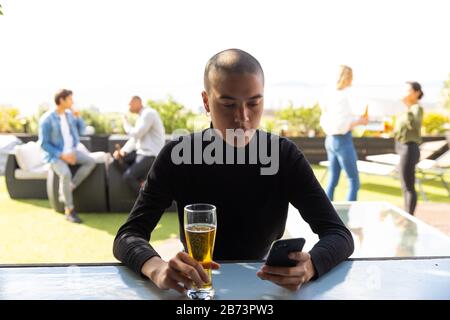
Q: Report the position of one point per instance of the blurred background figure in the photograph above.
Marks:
(337, 122)
(407, 139)
(147, 137)
(59, 139)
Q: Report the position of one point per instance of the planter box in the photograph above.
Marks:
(313, 148)
(25, 138)
(99, 142)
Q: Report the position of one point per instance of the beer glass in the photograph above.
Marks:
(200, 224)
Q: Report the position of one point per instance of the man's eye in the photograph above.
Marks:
(252, 104)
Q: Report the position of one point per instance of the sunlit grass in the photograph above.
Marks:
(31, 232)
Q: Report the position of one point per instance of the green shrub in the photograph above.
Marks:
(173, 114)
(301, 121)
(33, 121)
(103, 123)
(269, 124)
(10, 120)
(434, 123)
(445, 93)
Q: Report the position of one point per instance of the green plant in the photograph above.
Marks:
(103, 123)
(268, 124)
(198, 122)
(10, 120)
(433, 123)
(445, 93)
(173, 114)
(33, 120)
(301, 121)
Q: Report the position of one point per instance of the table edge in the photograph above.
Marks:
(118, 264)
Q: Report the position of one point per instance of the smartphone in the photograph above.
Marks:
(280, 249)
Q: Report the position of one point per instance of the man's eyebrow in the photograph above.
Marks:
(227, 97)
(258, 96)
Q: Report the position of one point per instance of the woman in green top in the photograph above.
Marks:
(407, 140)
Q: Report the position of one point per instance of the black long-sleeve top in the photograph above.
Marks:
(251, 208)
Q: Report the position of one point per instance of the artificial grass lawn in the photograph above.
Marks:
(31, 232)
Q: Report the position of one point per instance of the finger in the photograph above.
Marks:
(194, 263)
(172, 284)
(211, 265)
(178, 277)
(281, 280)
(188, 270)
(299, 256)
(283, 271)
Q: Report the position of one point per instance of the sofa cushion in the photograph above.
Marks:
(39, 173)
(29, 156)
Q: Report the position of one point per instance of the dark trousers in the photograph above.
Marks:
(134, 168)
(409, 156)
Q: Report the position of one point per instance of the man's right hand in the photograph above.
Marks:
(363, 120)
(76, 112)
(69, 158)
(178, 274)
(118, 154)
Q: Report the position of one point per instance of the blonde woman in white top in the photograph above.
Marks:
(338, 121)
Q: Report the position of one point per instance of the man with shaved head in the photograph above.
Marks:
(147, 138)
(226, 165)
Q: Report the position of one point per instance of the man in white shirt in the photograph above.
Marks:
(147, 138)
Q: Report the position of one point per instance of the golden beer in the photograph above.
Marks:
(200, 225)
(200, 242)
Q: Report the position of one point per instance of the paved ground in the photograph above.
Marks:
(435, 214)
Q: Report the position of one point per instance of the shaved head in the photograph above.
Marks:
(135, 105)
(136, 98)
(230, 61)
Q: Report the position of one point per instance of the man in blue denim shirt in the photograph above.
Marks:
(58, 137)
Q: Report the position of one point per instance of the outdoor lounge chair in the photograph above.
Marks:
(428, 150)
(426, 169)
(120, 196)
(25, 172)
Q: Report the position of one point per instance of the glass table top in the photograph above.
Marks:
(379, 229)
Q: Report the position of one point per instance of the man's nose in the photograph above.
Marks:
(242, 114)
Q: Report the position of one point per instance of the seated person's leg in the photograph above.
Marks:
(87, 165)
(65, 176)
(137, 172)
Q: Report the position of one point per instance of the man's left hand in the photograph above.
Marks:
(290, 278)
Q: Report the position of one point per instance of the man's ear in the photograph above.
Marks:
(205, 101)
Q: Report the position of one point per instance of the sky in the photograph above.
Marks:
(106, 51)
